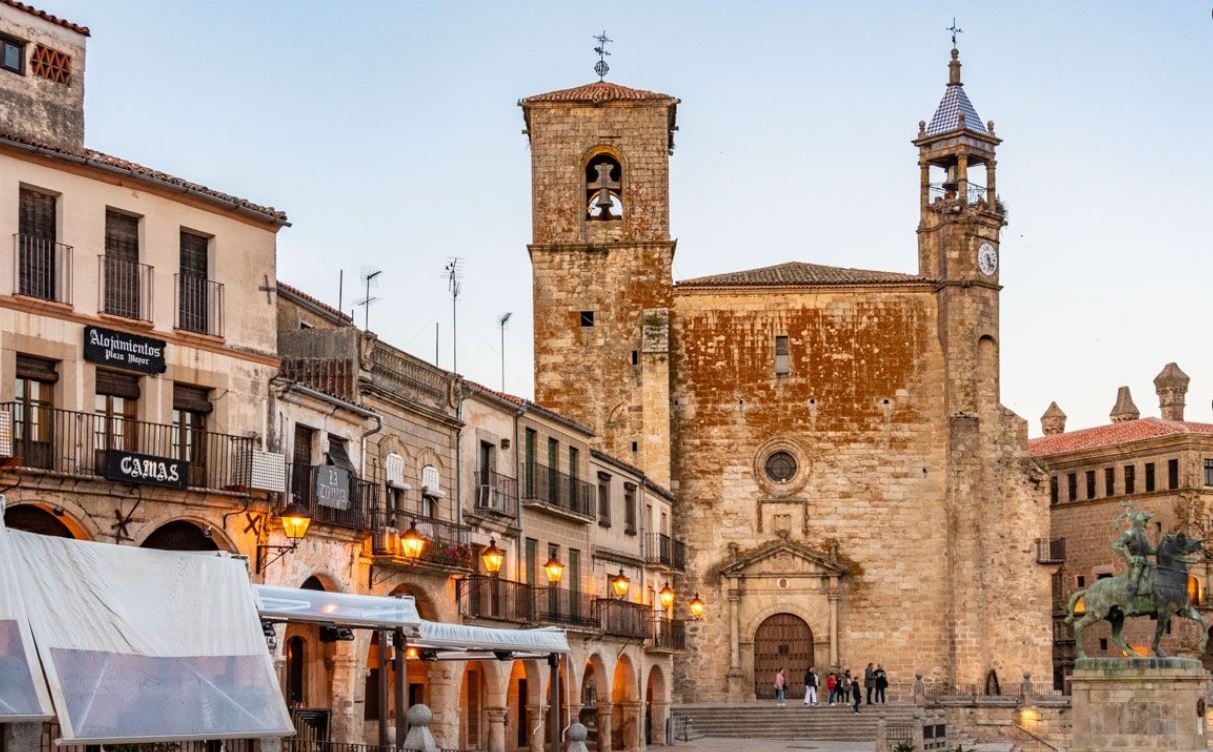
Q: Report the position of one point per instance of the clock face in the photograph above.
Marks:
(987, 259)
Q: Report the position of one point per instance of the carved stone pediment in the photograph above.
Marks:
(782, 558)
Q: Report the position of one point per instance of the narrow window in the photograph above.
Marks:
(1209, 472)
(783, 364)
(301, 463)
(587, 319)
(574, 487)
(1130, 479)
(34, 411)
(1103, 644)
(1054, 494)
(1109, 481)
(529, 463)
(191, 405)
(604, 499)
(114, 405)
(1172, 474)
(532, 562)
(604, 188)
(635, 357)
(197, 297)
(1082, 581)
(553, 490)
(41, 261)
(629, 508)
(1072, 486)
(12, 55)
(1090, 484)
(1149, 477)
(574, 575)
(121, 273)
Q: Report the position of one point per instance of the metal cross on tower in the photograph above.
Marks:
(955, 30)
(601, 66)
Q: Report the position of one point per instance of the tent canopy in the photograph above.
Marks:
(23, 693)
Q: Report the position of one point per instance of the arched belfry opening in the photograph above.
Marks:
(604, 188)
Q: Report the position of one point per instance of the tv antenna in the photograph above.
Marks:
(370, 277)
(502, 321)
(453, 271)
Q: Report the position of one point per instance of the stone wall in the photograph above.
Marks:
(33, 106)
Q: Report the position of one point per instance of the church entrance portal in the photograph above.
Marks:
(782, 640)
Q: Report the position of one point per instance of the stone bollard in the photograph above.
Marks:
(920, 690)
(1025, 689)
(420, 738)
(577, 735)
(882, 735)
(918, 735)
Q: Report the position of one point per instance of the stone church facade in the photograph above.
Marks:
(848, 483)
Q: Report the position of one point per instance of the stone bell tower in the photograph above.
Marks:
(601, 255)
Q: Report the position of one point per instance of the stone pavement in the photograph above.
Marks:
(770, 745)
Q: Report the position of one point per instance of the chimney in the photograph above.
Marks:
(1171, 386)
(44, 102)
(1053, 421)
(1124, 409)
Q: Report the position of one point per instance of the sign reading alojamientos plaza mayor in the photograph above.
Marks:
(109, 347)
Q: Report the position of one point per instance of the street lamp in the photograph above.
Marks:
(295, 522)
(493, 558)
(620, 584)
(554, 570)
(666, 596)
(412, 543)
(697, 607)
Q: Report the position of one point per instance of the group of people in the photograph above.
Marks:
(842, 688)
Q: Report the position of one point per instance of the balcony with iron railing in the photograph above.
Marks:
(564, 607)
(946, 193)
(332, 495)
(1050, 551)
(664, 551)
(495, 598)
(622, 618)
(199, 304)
(447, 544)
(125, 288)
(496, 494)
(549, 488)
(77, 444)
(42, 269)
(667, 634)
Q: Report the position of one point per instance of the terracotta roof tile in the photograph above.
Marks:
(598, 92)
(47, 16)
(529, 405)
(291, 290)
(140, 172)
(796, 273)
(1112, 435)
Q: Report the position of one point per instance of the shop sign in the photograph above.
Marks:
(108, 347)
(145, 469)
(332, 487)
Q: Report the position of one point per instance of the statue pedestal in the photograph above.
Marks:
(1138, 705)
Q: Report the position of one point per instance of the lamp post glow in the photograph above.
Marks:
(620, 584)
(492, 558)
(412, 543)
(666, 596)
(554, 570)
(295, 522)
(697, 607)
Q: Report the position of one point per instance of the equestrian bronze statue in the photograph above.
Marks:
(1158, 590)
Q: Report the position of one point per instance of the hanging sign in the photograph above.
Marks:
(145, 469)
(332, 486)
(108, 347)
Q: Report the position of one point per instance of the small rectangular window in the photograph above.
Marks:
(1109, 481)
(1149, 477)
(12, 55)
(1172, 474)
(1082, 581)
(1103, 643)
(1130, 479)
(1054, 494)
(1090, 484)
(604, 499)
(783, 364)
(587, 318)
(1072, 486)
(629, 508)
(1208, 472)
(635, 357)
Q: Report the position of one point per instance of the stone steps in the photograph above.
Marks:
(793, 721)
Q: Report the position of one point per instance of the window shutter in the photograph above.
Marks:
(193, 254)
(37, 215)
(117, 384)
(194, 399)
(121, 236)
(431, 480)
(38, 369)
(339, 455)
(393, 466)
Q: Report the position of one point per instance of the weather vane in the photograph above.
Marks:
(955, 30)
(601, 66)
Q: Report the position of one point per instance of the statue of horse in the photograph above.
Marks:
(1113, 598)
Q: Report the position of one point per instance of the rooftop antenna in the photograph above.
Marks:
(369, 277)
(955, 30)
(453, 271)
(601, 67)
(505, 317)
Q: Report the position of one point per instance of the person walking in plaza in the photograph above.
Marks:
(856, 695)
(810, 687)
(882, 683)
(831, 687)
(844, 687)
(780, 687)
(869, 681)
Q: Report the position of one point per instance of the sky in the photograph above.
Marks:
(391, 135)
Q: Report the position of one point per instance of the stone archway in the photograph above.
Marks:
(656, 707)
(310, 656)
(594, 701)
(181, 535)
(782, 641)
(33, 518)
(625, 707)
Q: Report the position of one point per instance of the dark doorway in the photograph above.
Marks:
(180, 536)
(34, 519)
(783, 640)
(522, 729)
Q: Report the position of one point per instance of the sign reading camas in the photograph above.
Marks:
(145, 469)
(108, 347)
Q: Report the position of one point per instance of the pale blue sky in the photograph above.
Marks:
(390, 134)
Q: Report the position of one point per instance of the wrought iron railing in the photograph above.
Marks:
(347, 505)
(550, 486)
(51, 743)
(311, 724)
(43, 268)
(496, 493)
(623, 618)
(1050, 551)
(668, 633)
(975, 195)
(486, 597)
(446, 543)
(335, 376)
(660, 548)
(75, 443)
(199, 304)
(126, 288)
(571, 608)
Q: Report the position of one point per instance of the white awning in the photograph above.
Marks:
(466, 642)
(23, 695)
(337, 609)
(141, 645)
